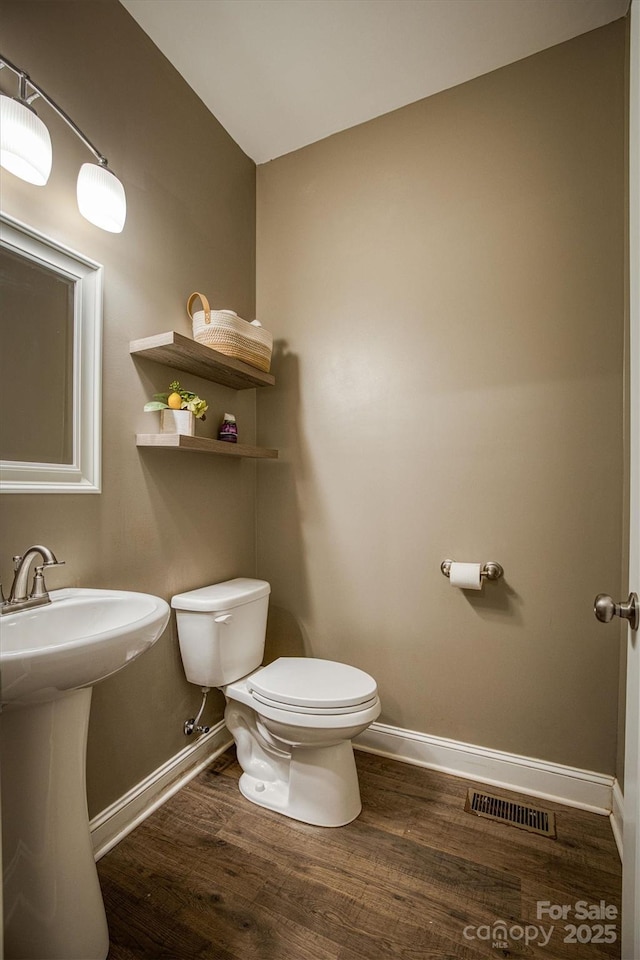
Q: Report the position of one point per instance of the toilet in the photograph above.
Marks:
(292, 721)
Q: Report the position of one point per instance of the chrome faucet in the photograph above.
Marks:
(18, 599)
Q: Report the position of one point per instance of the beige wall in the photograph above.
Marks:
(446, 287)
(165, 522)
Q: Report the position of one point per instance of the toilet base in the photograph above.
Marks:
(322, 788)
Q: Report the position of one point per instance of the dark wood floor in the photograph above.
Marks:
(210, 875)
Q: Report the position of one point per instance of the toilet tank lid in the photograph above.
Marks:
(222, 596)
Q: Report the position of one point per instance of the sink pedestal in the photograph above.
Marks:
(50, 657)
(53, 908)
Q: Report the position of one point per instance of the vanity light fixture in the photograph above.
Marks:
(25, 150)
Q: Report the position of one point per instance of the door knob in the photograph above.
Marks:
(606, 609)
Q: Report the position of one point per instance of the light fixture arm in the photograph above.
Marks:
(25, 79)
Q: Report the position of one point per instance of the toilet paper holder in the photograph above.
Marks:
(488, 571)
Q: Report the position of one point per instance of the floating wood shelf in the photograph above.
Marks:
(175, 350)
(180, 441)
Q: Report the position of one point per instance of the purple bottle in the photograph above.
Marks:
(229, 429)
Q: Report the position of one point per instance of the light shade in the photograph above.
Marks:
(101, 197)
(25, 144)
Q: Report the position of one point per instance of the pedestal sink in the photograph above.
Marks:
(50, 657)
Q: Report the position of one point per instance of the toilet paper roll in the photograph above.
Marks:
(466, 576)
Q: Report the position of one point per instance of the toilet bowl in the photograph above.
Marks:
(292, 720)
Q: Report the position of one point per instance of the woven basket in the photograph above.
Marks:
(226, 332)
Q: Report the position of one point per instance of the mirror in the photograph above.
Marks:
(50, 364)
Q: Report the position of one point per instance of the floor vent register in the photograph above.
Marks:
(533, 819)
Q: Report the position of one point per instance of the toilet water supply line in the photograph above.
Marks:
(193, 726)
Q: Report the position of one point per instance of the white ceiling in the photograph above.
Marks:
(279, 74)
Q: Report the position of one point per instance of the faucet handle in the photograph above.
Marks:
(38, 589)
(17, 560)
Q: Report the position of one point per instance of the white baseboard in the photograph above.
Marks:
(585, 789)
(617, 816)
(119, 819)
(537, 778)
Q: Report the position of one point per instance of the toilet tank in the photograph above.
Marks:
(222, 629)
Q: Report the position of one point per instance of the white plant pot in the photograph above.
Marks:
(177, 421)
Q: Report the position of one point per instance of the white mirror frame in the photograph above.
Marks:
(83, 475)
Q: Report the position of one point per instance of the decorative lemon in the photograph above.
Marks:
(174, 400)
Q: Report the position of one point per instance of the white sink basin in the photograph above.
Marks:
(50, 657)
(79, 638)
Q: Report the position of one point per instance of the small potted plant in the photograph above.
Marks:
(179, 409)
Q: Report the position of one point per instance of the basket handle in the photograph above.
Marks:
(205, 305)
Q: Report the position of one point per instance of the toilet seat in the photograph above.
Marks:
(314, 711)
(313, 686)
